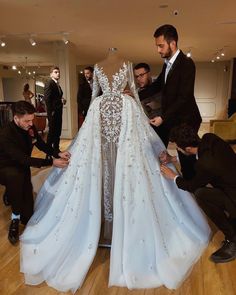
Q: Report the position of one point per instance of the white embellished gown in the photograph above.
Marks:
(158, 231)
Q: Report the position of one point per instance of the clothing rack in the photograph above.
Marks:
(5, 113)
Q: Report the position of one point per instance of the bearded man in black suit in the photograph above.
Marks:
(176, 84)
(16, 143)
(214, 183)
(85, 91)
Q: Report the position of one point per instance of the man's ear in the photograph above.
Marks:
(173, 44)
(16, 118)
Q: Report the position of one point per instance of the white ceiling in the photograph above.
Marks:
(96, 25)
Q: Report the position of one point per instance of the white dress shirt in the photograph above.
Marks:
(169, 63)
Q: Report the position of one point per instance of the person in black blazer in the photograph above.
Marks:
(143, 78)
(214, 183)
(54, 103)
(151, 104)
(16, 143)
(85, 91)
(176, 84)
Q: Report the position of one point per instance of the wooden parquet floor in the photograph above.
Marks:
(206, 277)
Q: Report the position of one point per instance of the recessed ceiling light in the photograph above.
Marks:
(65, 38)
(3, 44)
(32, 41)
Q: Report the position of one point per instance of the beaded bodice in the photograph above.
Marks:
(112, 100)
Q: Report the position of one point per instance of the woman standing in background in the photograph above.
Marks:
(28, 95)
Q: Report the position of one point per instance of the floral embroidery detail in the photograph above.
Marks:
(110, 109)
(112, 102)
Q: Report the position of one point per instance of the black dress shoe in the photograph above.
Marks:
(226, 253)
(13, 235)
(6, 200)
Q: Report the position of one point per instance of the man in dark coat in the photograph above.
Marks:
(143, 78)
(176, 84)
(85, 91)
(54, 102)
(16, 143)
(214, 183)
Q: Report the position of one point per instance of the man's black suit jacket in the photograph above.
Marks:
(16, 146)
(53, 96)
(216, 165)
(84, 97)
(178, 101)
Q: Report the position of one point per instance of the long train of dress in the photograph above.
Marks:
(158, 230)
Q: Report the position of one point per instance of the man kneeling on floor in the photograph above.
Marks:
(215, 166)
(17, 140)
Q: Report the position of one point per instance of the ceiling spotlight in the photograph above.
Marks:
(65, 38)
(3, 44)
(175, 12)
(32, 41)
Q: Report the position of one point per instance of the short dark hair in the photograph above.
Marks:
(22, 107)
(184, 136)
(169, 33)
(54, 68)
(142, 65)
(89, 68)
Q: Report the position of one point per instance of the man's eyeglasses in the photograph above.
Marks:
(140, 75)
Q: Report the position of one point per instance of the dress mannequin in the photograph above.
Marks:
(110, 66)
(112, 63)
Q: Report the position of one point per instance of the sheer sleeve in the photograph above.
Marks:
(96, 86)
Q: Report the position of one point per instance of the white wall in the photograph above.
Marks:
(211, 89)
(13, 88)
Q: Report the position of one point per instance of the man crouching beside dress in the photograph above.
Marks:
(17, 140)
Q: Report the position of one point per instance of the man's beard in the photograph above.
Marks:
(168, 54)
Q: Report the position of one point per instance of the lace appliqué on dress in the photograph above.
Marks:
(110, 109)
(111, 104)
